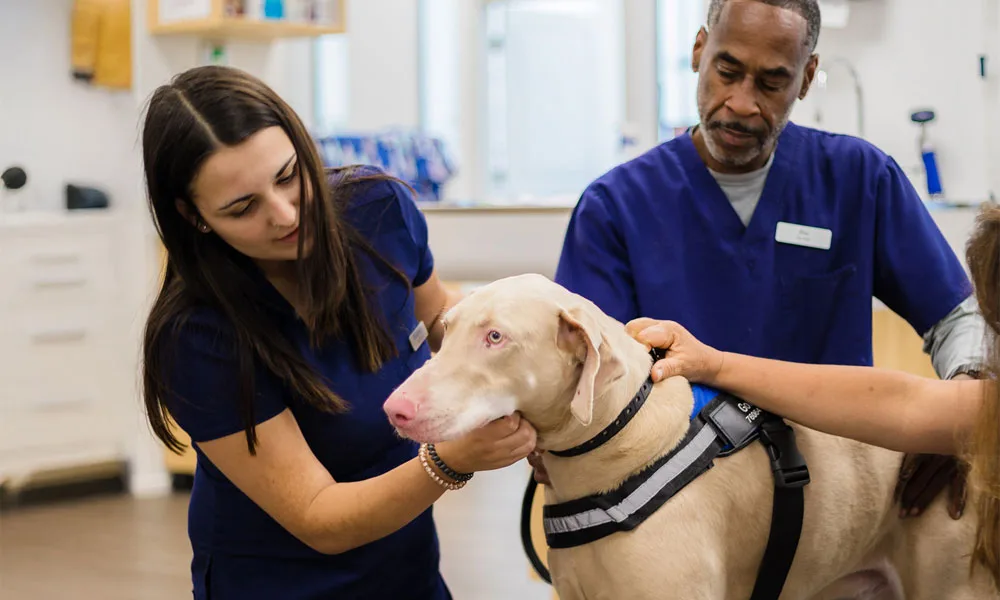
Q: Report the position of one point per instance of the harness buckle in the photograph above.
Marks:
(787, 463)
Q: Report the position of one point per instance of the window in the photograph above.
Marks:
(440, 51)
(332, 92)
(554, 83)
(677, 24)
(526, 95)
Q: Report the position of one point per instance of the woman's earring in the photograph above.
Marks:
(203, 227)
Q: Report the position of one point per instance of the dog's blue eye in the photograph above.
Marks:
(494, 336)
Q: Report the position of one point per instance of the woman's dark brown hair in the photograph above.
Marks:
(198, 112)
(983, 452)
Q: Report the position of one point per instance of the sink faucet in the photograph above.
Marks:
(821, 83)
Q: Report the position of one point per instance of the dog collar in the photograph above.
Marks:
(619, 423)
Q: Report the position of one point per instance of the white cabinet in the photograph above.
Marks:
(65, 376)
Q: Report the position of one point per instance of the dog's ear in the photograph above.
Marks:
(580, 334)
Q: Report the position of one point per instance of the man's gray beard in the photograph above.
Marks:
(750, 154)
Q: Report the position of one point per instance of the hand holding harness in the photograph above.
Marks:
(721, 424)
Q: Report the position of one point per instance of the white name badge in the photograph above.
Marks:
(418, 336)
(803, 235)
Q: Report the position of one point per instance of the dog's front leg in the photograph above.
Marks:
(568, 589)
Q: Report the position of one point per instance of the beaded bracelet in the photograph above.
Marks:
(445, 468)
(430, 472)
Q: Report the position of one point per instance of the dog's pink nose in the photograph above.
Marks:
(400, 409)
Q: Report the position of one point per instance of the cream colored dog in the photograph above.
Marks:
(526, 344)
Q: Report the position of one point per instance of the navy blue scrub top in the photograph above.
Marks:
(240, 551)
(657, 237)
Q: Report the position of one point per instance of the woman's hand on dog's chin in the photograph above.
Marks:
(685, 357)
(495, 445)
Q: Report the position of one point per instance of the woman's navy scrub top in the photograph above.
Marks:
(657, 237)
(240, 551)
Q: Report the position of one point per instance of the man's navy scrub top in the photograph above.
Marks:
(240, 551)
(657, 237)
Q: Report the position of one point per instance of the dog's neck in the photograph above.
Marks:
(654, 431)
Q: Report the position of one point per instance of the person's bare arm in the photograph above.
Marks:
(890, 409)
(288, 482)
(885, 408)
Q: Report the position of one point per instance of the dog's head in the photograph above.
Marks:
(518, 344)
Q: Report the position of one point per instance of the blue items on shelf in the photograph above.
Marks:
(274, 9)
(417, 159)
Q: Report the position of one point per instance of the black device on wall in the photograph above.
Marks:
(82, 197)
(14, 178)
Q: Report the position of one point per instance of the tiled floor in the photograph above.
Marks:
(118, 548)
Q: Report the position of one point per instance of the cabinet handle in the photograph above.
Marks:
(57, 282)
(58, 335)
(55, 258)
(57, 403)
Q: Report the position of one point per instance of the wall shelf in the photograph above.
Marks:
(208, 19)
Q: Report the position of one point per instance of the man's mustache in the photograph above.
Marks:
(737, 126)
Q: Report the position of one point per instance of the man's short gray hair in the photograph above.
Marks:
(809, 9)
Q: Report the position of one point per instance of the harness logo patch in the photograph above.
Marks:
(751, 412)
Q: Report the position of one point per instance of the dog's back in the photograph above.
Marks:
(707, 542)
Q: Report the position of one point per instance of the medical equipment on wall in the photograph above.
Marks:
(928, 154)
(13, 178)
(417, 159)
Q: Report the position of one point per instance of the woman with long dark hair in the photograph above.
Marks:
(295, 299)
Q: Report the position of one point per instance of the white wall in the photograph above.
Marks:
(63, 131)
(449, 96)
(58, 129)
(285, 65)
(909, 55)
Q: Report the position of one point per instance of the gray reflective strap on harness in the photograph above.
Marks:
(723, 427)
(588, 519)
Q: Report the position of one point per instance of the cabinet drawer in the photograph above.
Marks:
(42, 347)
(54, 412)
(41, 274)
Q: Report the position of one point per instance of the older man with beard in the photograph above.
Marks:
(770, 239)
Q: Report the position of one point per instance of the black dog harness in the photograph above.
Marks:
(724, 426)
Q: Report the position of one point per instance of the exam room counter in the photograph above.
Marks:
(477, 244)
